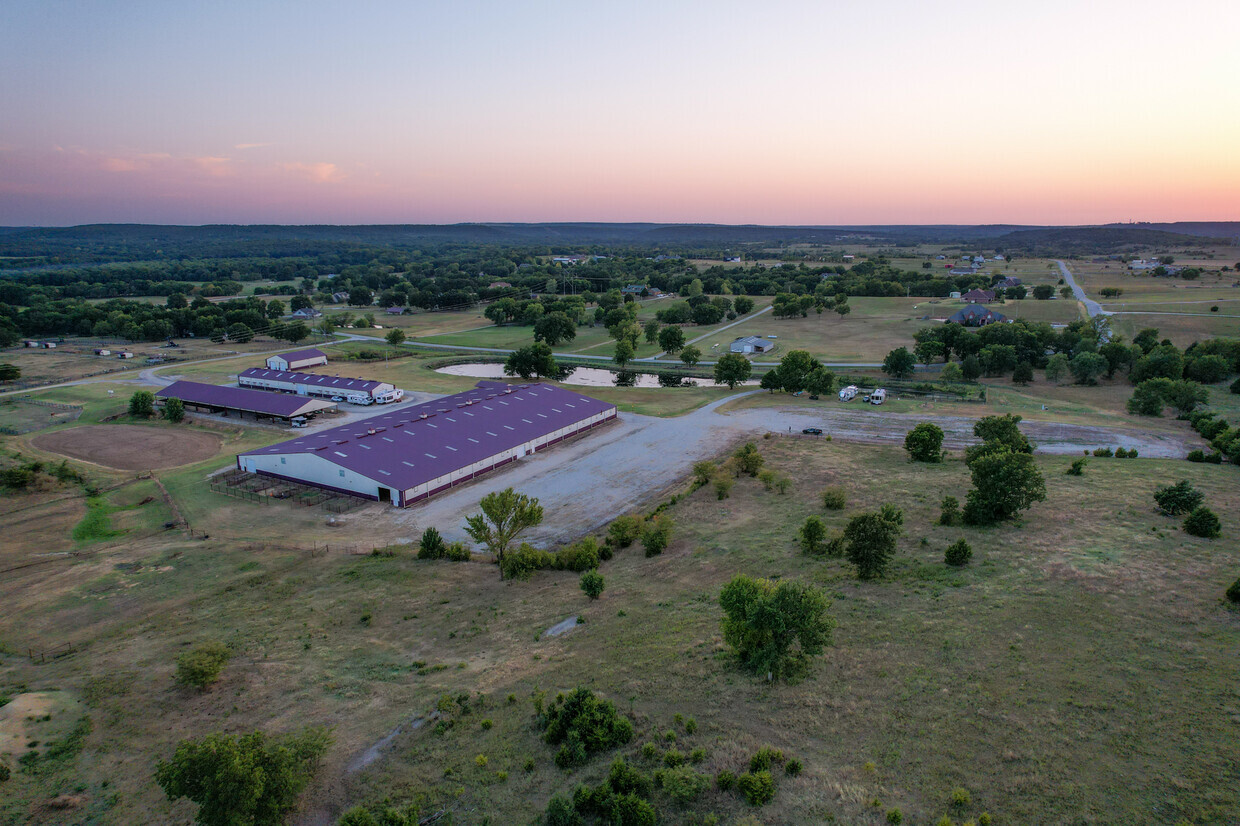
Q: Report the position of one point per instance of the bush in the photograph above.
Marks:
(895, 816)
(1120, 453)
(174, 410)
(673, 758)
(834, 498)
(582, 724)
(1233, 593)
(949, 511)
(142, 404)
(580, 556)
(871, 541)
(1078, 467)
(201, 666)
(624, 531)
(1104, 452)
(1235, 386)
(560, 812)
(691, 725)
(432, 545)
(958, 553)
(813, 536)
(723, 486)
(924, 443)
(1179, 498)
(656, 536)
(793, 767)
(774, 629)
(758, 788)
(524, 561)
(5, 773)
(1202, 522)
(767, 478)
(961, 798)
(592, 584)
(650, 751)
(697, 755)
(1196, 456)
(457, 552)
(684, 784)
(748, 459)
(766, 757)
(725, 780)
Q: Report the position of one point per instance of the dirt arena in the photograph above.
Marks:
(131, 447)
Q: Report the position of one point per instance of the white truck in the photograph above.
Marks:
(848, 393)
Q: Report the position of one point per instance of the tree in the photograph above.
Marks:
(770, 381)
(237, 780)
(555, 328)
(592, 583)
(731, 369)
(142, 404)
(656, 535)
(690, 355)
(970, 368)
(275, 308)
(361, 297)
(743, 305)
(300, 302)
(774, 629)
(505, 514)
(671, 340)
(748, 459)
(174, 410)
(999, 430)
(295, 332)
(624, 352)
(1004, 483)
(899, 363)
(794, 368)
(952, 372)
(819, 382)
(239, 333)
(534, 360)
(813, 535)
(10, 372)
(1147, 398)
(651, 330)
(1203, 522)
(870, 542)
(432, 546)
(1208, 369)
(927, 350)
(1233, 593)
(326, 328)
(1043, 291)
(1163, 361)
(1147, 339)
(924, 443)
(842, 308)
(1179, 498)
(395, 337)
(1087, 367)
(1023, 374)
(201, 666)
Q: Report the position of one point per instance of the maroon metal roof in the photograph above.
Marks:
(299, 355)
(405, 448)
(237, 398)
(341, 383)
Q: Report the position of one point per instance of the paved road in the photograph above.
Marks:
(1092, 307)
(630, 462)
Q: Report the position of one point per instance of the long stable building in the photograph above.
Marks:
(216, 399)
(314, 384)
(408, 455)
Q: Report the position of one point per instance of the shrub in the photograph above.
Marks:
(579, 556)
(4, 773)
(958, 553)
(650, 751)
(961, 797)
(758, 788)
(949, 511)
(592, 584)
(774, 629)
(1078, 467)
(871, 541)
(684, 784)
(895, 816)
(1179, 498)
(673, 758)
(703, 472)
(723, 486)
(457, 552)
(697, 755)
(725, 780)
(624, 531)
(1235, 386)
(1233, 593)
(924, 443)
(201, 666)
(793, 767)
(583, 724)
(813, 536)
(432, 545)
(1103, 452)
(748, 459)
(984, 819)
(1202, 522)
(560, 812)
(481, 761)
(767, 478)
(691, 725)
(524, 561)
(142, 404)
(782, 484)
(625, 779)
(834, 498)
(656, 536)
(766, 757)
(1120, 453)
(1132, 453)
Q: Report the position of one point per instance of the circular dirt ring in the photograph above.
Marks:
(131, 447)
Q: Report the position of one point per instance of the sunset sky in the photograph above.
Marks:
(828, 112)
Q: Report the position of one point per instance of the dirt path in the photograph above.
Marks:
(587, 482)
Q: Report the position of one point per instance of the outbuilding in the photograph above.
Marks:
(408, 455)
(297, 360)
(213, 398)
(751, 344)
(322, 386)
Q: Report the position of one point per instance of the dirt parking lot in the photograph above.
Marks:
(131, 447)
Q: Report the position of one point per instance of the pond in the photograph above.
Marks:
(581, 376)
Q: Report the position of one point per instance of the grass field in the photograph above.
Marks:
(1080, 669)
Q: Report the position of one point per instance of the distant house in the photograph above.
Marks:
(979, 296)
(735, 259)
(975, 316)
(31, 343)
(49, 345)
(100, 351)
(999, 258)
(498, 285)
(979, 259)
(954, 294)
(964, 269)
(296, 360)
(751, 344)
(395, 311)
(1009, 281)
(850, 258)
(340, 298)
(567, 260)
(306, 312)
(125, 355)
(667, 258)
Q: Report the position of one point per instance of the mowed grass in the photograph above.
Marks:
(1081, 669)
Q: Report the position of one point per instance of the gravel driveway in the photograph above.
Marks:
(584, 484)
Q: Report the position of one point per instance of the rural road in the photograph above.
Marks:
(1092, 307)
(634, 459)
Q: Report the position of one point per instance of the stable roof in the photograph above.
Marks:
(302, 355)
(333, 382)
(238, 398)
(411, 446)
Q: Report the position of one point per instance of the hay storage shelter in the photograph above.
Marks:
(411, 454)
(213, 398)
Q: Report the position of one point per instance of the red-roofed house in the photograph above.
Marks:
(978, 297)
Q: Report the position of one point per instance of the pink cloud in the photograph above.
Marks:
(321, 172)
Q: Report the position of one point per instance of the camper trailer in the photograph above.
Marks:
(848, 393)
(878, 396)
